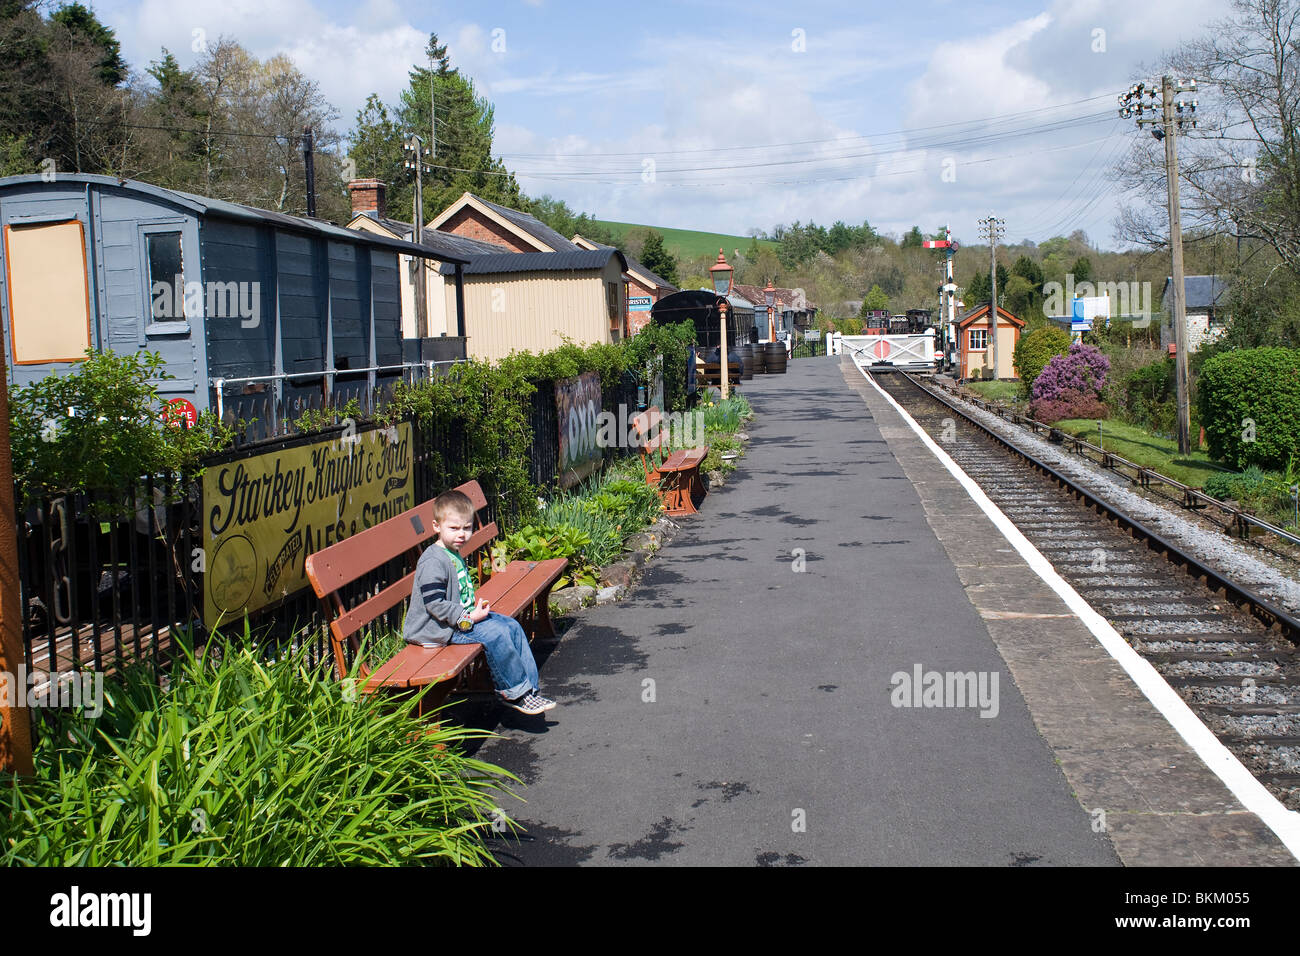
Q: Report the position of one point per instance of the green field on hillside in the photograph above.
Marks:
(687, 244)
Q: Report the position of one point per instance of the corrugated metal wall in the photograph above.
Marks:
(528, 311)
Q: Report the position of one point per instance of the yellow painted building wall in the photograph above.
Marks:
(529, 311)
(976, 361)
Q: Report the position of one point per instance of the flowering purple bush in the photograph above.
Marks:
(1072, 403)
(1082, 369)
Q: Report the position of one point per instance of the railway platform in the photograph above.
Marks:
(842, 661)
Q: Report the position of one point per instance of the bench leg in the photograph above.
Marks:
(679, 497)
(541, 618)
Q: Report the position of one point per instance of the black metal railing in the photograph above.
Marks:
(112, 578)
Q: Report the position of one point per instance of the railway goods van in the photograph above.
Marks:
(257, 314)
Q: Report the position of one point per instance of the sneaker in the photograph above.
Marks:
(531, 704)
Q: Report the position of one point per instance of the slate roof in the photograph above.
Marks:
(1202, 292)
(531, 225)
(579, 260)
(984, 308)
(445, 241)
(635, 265)
(785, 298)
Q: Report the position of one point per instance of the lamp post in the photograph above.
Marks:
(721, 274)
(769, 294)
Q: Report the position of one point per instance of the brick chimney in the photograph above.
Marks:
(368, 198)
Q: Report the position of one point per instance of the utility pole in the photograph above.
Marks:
(415, 154)
(309, 165)
(1174, 117)
(992, 229)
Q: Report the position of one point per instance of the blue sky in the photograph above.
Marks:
(728, 116)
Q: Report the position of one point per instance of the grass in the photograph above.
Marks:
(1140, 446)
(688, 244)
(999, 391)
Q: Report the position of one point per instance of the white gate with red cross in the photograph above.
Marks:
(910, 353)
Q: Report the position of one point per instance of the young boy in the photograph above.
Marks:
(443, 610)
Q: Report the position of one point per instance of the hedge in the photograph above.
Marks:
(1249, 404)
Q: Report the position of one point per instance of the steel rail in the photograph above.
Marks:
(1143, 475)
(1245, 598)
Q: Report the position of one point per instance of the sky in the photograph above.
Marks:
(730, 117)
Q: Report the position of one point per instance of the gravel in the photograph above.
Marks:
(1214, 548)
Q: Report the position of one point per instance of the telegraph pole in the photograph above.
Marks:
(992, 229)
(415, 154)
(1174, 117)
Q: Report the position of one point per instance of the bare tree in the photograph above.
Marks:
(1241, 169)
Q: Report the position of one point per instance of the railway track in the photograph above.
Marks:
(1230, 653)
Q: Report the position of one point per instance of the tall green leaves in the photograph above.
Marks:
(243, 763)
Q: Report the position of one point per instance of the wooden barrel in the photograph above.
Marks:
(774, 358)
(746, 353)
(759, 356)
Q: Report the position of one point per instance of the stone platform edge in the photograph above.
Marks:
(1128, 768)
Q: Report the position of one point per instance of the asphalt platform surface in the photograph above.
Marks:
(736, 711)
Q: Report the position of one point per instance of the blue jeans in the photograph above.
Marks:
(510, 659)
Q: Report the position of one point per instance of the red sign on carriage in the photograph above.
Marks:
(183, 412)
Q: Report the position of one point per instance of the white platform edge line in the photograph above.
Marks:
(1254, 796)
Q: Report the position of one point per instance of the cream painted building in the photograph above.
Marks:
(532, 301)
(976, 348)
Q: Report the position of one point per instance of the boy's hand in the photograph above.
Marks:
(480, 612)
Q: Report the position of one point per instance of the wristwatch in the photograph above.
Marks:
(465, 625)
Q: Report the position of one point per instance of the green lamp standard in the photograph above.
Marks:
(721, 274)
(769, 295)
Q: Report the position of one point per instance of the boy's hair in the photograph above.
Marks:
(451, 503)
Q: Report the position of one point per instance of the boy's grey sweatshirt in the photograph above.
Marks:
(435, 599)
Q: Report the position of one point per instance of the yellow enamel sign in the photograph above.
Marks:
(263, 515)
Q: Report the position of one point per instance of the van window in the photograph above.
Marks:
(49, 292)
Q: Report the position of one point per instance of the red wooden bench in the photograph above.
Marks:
(520, 590)
(677, 475)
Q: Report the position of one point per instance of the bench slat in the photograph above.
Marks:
(349, 622)
(515, 595)
(344, 562)
(415, 666)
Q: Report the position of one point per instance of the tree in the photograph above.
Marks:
(977, 290)
(873, 301)
(464, 161)
(78, 20)
(658, 259)
(1082, 269)
(913, 240)
(1241, 173)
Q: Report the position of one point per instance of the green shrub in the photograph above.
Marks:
(1035, 349)
(1249, 404)
(245, 763)
(603, 530)
(1148, 395)
(102, 426)
(541, 543)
